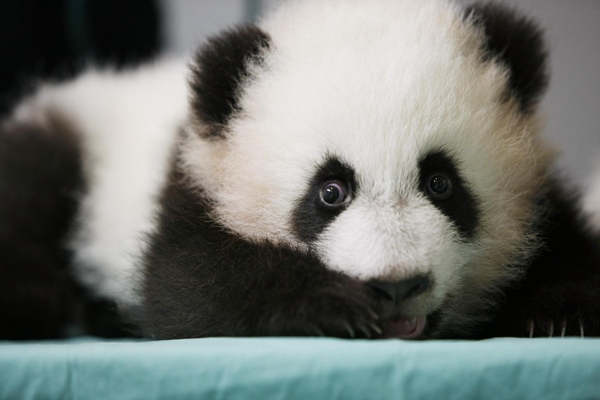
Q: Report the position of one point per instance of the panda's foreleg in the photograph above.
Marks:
(201, 280)
(560, 293)
(40, 180)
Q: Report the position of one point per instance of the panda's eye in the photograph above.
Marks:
(333, 193)
(439, 186)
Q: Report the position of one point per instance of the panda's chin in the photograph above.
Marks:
(405, 327)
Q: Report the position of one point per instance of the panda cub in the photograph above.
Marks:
(365, 169)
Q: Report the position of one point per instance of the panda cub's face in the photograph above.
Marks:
(382, 137)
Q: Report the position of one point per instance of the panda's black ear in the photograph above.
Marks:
(517, 42)
(219, 67)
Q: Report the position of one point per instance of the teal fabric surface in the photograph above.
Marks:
(279, 368)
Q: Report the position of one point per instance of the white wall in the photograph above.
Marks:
(573, 102)
(189, 22)
(572, 105)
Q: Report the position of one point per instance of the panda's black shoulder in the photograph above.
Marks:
(560, 290)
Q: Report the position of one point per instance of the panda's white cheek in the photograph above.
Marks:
(392, 244)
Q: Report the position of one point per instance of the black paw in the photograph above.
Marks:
(556, 310)
(344, 310)
(543, 326)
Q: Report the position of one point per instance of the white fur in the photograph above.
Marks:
(128, 122)
(378, 84)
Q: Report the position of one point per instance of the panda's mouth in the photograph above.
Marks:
(404, 327)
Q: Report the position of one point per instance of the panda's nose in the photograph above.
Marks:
(398, 291)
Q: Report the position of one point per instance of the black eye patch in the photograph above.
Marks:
(442, 183)
(328, 193)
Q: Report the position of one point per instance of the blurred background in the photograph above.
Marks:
(56, 38)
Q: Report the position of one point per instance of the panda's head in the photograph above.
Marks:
(395, 139)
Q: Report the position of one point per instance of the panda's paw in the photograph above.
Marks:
(358, 324)
(552, 328)
(563, 311)
(330, 311)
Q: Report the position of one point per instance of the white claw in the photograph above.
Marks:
(376, 328)
(563, 328)
(531, 328)
(366, 332)
(350, 331)
(373, 314)
(551, 333)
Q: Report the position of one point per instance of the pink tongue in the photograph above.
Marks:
(405, 328)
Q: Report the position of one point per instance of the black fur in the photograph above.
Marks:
(562, 283)
(310, 216)
(220, 67)
(515, 41)
(461, 206)
(40, 179)
(201, 280)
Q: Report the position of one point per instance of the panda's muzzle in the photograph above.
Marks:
(396, 324)
(398, 291)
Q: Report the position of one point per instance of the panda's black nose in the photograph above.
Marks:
(398, 291)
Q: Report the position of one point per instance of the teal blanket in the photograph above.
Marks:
(279, 368)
